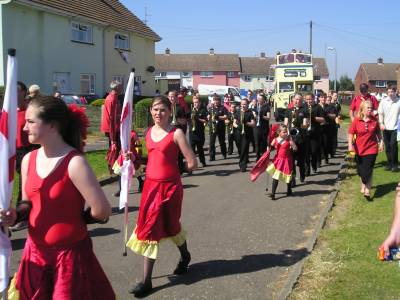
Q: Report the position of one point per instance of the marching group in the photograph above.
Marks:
(57, 182)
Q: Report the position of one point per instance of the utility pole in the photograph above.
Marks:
(145, 15)
(310, 37)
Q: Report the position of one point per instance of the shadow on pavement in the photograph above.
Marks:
(188, 186)
(247, 264)
(18, 244)
(103, 231)
(383, 189)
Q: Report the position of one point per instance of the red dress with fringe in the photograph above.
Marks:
(161, 202)
(282, 165)
(58, 260)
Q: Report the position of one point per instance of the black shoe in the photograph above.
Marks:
(116, 194)
(289, 193)
(212, 159)
(204, 165)
(141, 289)
(302, 179)
(272, 196)
(315, 171)
(395, 169)
(388, 168)
(293, 182)
(230, 153)
(182, 266)
(326, 161)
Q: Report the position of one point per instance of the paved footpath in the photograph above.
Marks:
(243, 245)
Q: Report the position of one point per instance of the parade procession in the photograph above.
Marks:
(129, 171)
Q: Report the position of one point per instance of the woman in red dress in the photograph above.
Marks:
(282, 165)
(161, 202)
(58, 260)
(365, 140)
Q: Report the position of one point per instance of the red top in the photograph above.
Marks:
(182, 103)
(162, 164)
(111, 115)
(283, 149)
(366, 136)
(56, 218)
(355, 103)
(22, 136)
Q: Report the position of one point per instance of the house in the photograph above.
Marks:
(257, 73)
(378, 75)
(321, 74)
(190, 70)
(76, 46)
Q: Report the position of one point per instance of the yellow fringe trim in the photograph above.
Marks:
(13, 293)
(278, 175)
(150, 248)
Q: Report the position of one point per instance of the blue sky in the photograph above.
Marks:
(361, 31)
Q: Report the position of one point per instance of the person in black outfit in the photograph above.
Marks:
(316, 115)
(262, 114)
(217, 115)
(296, 120)
(336, 103)
(198, 120)
(179, 119)
(244, 123)
(232, 137)
(327, 128)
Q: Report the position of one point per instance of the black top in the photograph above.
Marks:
(316, 111)
(197, 125)
(218, 112)
(247, 117)
(264, 110)
(299, 114)
(330, 109)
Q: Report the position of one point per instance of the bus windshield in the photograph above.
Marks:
(285, 87)
(304, 87)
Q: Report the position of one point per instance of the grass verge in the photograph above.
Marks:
(344, 264)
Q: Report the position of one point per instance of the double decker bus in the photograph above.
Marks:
(293, 73)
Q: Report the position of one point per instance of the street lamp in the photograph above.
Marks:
(334, 49)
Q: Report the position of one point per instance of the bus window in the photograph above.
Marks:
(299, 58)
(304, 87)
(307, 58)
(285, 87)
(290, 58)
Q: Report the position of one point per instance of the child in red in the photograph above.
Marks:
(282, 165)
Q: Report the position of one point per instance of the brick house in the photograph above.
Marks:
(378, 75)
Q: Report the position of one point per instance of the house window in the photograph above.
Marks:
(230, 74)
(88, 83)
(121, 79)
(247, 78)
(81, 33)
(317, 77)
(137, 90)
(381, 83)
(185, 74)
(206, 74)
(121, 41)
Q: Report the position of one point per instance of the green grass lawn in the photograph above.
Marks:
(344, 263)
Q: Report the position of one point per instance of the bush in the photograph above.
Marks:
(142, 113)
(98, 102)
(2, 88)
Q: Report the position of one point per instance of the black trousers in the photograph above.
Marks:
(244, 150)
(314, 152)
(390, 140)
(197, 145)
(300, 159)
(231, 139)
(328, 141)
(220, 133)
(260, 138)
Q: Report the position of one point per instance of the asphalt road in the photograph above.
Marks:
(243, 244)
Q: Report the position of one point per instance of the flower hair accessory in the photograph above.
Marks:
(79, 116)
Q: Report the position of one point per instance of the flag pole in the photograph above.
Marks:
(127, 170)
(8, 127)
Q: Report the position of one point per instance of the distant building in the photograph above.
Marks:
(174, 71)
(76, 46)
(377, 75)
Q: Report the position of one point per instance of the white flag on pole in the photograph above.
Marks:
(127, 169)
(8, 129)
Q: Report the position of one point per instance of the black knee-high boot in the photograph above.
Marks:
(274, 187)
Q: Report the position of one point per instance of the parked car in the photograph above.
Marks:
(71, 99)
(88, 98)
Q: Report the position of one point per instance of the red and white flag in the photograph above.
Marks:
(8, 129)
(127, 169)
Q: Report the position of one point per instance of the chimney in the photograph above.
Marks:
(167, 51)
(211, 51)
(380, 61)
(262, 55)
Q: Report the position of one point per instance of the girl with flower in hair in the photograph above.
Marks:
(58, 260)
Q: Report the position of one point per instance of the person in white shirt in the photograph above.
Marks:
(389, 114)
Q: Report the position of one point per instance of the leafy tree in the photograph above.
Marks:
(346, 84)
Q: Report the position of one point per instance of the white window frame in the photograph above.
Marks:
(206, 74)
(382, 83)
(231, 74)
(120, 79)
(91, 79)
(247, 78)
(121, 41)
(81, 33)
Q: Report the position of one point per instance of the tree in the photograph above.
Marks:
(345, 83)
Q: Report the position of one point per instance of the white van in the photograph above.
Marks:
(209, 89)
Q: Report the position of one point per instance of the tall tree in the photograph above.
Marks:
(345, 83)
